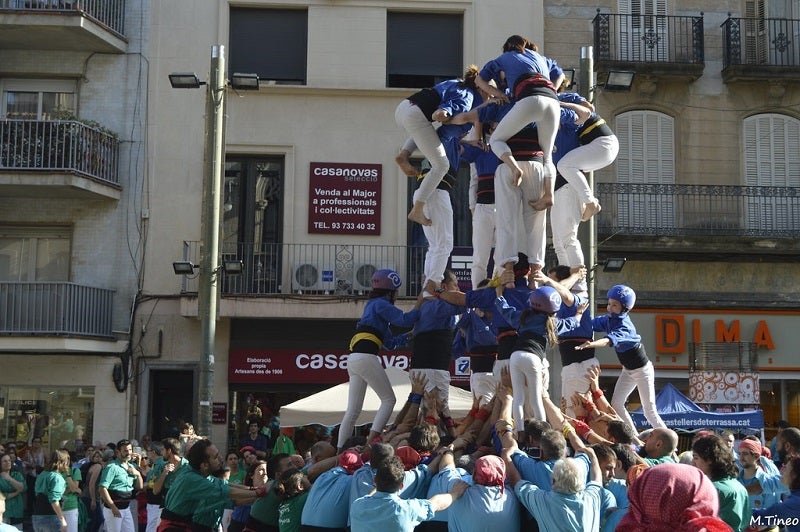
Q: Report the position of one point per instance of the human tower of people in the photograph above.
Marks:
(517, 460)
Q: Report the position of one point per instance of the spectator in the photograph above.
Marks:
(672, 498)
(785, 512)
(713, 456)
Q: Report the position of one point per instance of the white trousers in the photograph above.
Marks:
(483, 386)
(565, 217)
(365, 370)
(529, 382)
(573, 379)
(438, 379)
(546, 112)
(593, 156)
(439, 234)
(124, 523)
(643, 380)
(71, 516)
(511, 207)
(483, 238)
(153, 517)
(421, 130)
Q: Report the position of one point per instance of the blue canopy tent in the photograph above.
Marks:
(679, 412)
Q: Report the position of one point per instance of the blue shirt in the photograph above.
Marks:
(486, 297)
(455, 99)
(437, 315)
(576, 512)
(386, 512)
(619, 330)
(568, 326)
(769, 477)
(441, 483)
(477, 331)
(536, 471)
(515, 64)
(415, 483)
(567, 137)
(481, 507)
(379, 313)
(486, 162)
(328, 503)
(787, 511)
(535, 323)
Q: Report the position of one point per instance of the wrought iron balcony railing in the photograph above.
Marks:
(55, 309)
(711, 210)
(58, 145)
(648, 39)
(110, 13)
(312, 269)
(761, 42)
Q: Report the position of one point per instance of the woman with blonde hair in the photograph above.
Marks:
(49, 489)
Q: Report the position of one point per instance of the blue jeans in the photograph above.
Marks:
(46, 523)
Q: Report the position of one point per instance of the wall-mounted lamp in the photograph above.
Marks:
(619, 80)
(244, 82)
(233, 267)
(230, 267)
(184, 267)
(612, 264)
(185, 80)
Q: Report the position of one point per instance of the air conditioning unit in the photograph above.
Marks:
(312, 277)
(362, 275)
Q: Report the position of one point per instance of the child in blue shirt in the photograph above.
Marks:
(637, 370)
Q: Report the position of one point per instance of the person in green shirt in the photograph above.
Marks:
(49, 489)
(196, 499)
(12, 486)
(713, 456)
(659, 447)
(118, 480)
(237, 472)
(70, 502)
(292, 490)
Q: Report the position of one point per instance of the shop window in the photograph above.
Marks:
(61, 416)
(272, 43)
(423, 49)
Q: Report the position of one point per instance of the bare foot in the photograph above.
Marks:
(416, 215)
(405, 166)
(590, 209)
(542, 203)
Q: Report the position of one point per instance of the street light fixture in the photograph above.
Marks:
(244, 82)
(184, 267)
(185, 80)
(569, 78)
(619, 80)
(208, 290)
(233, 267)
(614, 264)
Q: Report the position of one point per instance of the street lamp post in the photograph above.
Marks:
(208, 292)
(586, 89)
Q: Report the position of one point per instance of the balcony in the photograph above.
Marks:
(58, 158)
(73, 25)
(760, 49)
(55, 309)
(698, 219)
(657, 45)
(341, 270)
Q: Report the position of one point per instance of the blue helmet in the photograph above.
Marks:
(386, 279)
(623, 294)
(545, 299)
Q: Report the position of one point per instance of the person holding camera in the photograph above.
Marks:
(118, 482)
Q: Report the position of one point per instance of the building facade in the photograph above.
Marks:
(73, 79)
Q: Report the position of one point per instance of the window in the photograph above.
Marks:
(272, 43)
(253, 221)
(771, 159)
(423, 49)
(34, 254)
(646, 156)
(59, 416)
(644, 36)
(37, 99)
